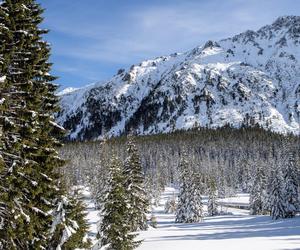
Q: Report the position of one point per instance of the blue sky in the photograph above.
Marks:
(92, 39)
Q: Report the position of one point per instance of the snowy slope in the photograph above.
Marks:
(251, 78)
(236, 231)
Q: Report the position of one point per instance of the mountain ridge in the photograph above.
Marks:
(250, 78)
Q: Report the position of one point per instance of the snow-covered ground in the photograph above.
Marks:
(92, 214)
(239, 199)
(238, 231)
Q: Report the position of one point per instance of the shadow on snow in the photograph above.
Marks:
(232, 227)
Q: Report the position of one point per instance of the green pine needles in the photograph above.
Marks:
(30, 184)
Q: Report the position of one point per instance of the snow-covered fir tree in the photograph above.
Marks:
(221, 184)
(99, 184)
(135, 188)
(290, 186)
(277, 201)
(115, 231)
(269, 175)
(196, 205)
(76, 214)
(245, 173)
(189, 207)
(183, 196)
(69, 227)
(29, 160)
(257, 192)
(212, 204)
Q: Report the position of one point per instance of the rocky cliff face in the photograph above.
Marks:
(251, 78)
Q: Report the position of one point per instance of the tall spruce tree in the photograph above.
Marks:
(115, 229)
(196, 205)
(183, 196)
(270, 174)
(9, 136)
(277, 202)
(29, 161)
(257, 192)
(135, 188)
(290, 186)
(189, 207)
(212, 204)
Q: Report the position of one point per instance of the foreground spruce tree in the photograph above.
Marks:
(10, 142)
(29, 163)
(115, 229)
(135, 188)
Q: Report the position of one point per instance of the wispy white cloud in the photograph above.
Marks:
(125, 32)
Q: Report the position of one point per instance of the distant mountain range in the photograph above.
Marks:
(251, 78)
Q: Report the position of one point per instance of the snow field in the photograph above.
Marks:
(235, 232)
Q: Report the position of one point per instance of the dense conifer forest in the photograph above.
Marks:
(236, 160)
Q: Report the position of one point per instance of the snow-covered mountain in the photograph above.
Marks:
(251, 78)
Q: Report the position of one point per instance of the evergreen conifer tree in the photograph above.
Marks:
(9, 137)
(270, 175)
(183, 196)
(69, 226)
(115, 229)
(135, 188)
(196, 205)
(277, 202)
(28, 147)
(29, 162)
(291, 194)
(212, 204)
(257, 192)
(77, 216)
(189, 208)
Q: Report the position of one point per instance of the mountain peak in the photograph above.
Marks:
(210, 44)
(288, 26)
(250, 79)
(286, 22)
